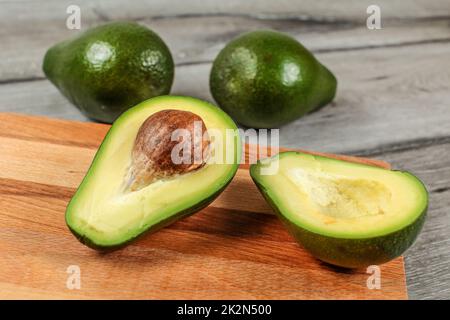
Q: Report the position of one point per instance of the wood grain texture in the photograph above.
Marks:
(198, 36)
(428, 261)
(224, 251)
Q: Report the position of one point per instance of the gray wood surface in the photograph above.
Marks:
(393, 98)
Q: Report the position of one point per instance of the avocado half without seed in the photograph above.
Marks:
(346, 214)
(153, 168)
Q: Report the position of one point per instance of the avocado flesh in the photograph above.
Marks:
(346, 214)
(103, 214)
(110, 68)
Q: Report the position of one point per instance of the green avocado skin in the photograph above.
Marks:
(162, 224)
(110, 68)
(265, 79)
(349, 253)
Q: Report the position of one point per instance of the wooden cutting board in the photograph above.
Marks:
(234, 249)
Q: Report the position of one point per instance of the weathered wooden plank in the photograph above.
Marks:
(320, 10)
(428, 261)
(385, 96)
(29, 28)
(39, 98)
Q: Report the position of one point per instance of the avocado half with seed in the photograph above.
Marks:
(140, 181)
(346, 214)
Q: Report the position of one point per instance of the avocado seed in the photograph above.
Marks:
(168, 143)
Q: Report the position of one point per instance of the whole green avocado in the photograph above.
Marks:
(110, 68)
(265, 79)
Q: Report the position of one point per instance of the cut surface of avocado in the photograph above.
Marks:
(345, 213)
(105, 213)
